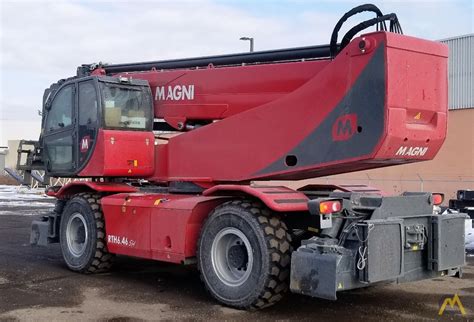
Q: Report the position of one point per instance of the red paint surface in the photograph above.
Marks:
(166, 227)
(278, 198)
(237, 147)
(122, 153)
(156, 226)
(416, 83)
(75, 187)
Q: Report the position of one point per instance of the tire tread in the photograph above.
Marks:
(278, 242)
(102, 260)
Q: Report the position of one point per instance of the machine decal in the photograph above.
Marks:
(414, 151)
(344, 127)
(132, 163)
(174, 93)
(120, 240)
(85, 142)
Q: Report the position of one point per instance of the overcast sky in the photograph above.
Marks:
(43, 41)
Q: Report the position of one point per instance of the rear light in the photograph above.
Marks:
(438, 198)
(329, 207)
(321, 210)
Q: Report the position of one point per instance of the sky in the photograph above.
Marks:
(44, 41)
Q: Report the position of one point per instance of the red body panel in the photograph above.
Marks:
(122, 153)
(417, 96)
(75, 187)
(279, 198)
(225, 91)
(166, 227)
(157, 226)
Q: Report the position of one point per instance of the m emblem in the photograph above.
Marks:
(344, 127)
(85, 143)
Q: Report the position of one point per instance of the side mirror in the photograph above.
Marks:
(47, 102)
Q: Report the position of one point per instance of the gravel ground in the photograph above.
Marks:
(35, 285)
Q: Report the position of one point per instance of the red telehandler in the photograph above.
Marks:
(376, 100)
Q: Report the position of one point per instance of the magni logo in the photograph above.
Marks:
(174, 93)
(414, 151)
(452, 302)
(344, 127)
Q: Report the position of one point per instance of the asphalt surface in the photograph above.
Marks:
(36, 285)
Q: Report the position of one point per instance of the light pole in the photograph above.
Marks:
(249, 39)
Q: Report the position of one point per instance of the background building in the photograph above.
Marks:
(2, 160)
(12, 155)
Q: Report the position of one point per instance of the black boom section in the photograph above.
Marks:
(358, 123)
(309, 52)
(268, 56)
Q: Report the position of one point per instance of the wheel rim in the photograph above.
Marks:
(76, 234)
(232, 256)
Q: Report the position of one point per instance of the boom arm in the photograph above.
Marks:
(352, 113)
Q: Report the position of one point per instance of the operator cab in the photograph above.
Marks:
(82, 114)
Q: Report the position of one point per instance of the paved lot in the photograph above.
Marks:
(35, 285)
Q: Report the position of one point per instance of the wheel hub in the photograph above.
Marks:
(238, 256)
(232, 256)
(76, 234)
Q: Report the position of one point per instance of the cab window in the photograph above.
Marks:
(126, 107)
(88, 116)
(59, 152)
(87, 104)
(60, 113)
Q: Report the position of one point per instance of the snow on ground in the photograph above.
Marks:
(21, 200)
(22, 193)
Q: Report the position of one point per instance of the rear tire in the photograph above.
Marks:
(82, 235)
(244, 254)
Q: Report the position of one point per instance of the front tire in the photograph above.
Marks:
(244, 255)
(82, 235)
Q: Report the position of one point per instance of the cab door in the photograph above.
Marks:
(59, 134)
(88, 121)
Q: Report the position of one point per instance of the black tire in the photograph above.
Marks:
(90, 256)
(268, 276)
